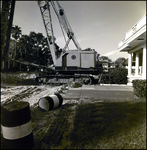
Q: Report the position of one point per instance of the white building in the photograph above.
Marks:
(135, 44)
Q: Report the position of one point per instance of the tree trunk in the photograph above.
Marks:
(14, 55)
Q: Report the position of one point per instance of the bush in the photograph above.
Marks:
(139, 88)
(105, 79)
(118, 76)
(115, 76)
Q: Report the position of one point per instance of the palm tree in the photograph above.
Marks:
(15, 32)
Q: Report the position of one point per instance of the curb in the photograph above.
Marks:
(115, 85)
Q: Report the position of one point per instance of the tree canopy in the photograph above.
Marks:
(32, 48)
(121, 62)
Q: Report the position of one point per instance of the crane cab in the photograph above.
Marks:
(76, 61)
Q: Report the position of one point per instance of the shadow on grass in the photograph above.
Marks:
(95, 121)
(49, 126)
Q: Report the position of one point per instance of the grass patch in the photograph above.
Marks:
(94, 122)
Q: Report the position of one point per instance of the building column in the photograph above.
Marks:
(144, 63)
(137, 64)
(129, 64)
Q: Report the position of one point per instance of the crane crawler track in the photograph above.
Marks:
(62, 79)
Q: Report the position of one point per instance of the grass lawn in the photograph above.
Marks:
(110, 125)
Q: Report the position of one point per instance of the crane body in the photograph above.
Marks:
(75, 60)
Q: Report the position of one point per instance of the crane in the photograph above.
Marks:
(70, 61)
(76, 63)
(47, 20)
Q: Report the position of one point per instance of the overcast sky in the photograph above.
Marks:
(99, 25)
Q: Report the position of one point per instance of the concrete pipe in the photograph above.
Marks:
(50, 102)
(16, 126)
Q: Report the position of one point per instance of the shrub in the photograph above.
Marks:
(105, 79)
(118, 76)
(115, 76)
(139, 88)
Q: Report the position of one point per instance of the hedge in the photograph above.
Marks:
(105, 79)
(119, 76)
(139, 88)
(115, 76)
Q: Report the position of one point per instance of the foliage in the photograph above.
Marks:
(105, 79)
(32, 48)
(16, 32)
(115, 76)
(139, 88)
(121, 62)
(119, 76)
(105, 58)
(89, 49)
(35, 48)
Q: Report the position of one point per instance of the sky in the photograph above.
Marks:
(99, 25)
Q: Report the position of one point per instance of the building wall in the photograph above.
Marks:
(137, 64)
(135, 44)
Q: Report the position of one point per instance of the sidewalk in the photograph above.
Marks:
(100, 92)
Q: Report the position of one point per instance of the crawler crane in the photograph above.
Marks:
(76, 63)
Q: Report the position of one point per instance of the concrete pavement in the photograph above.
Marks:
(100, 92)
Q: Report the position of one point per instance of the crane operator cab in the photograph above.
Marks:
(76, 61)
